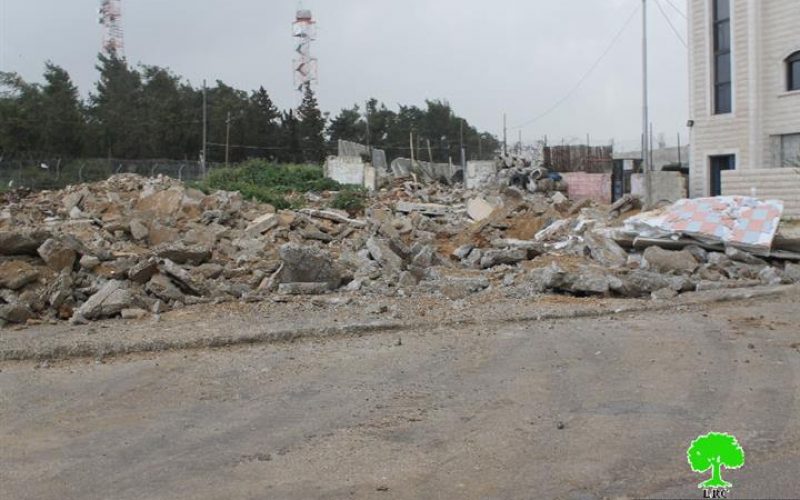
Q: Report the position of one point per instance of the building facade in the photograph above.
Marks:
(744, 60)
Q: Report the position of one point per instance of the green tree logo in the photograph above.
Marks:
(714, 451)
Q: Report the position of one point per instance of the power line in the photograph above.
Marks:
(672, 26)
(679, 11)
(584, 77)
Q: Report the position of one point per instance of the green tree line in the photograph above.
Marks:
(148, 112)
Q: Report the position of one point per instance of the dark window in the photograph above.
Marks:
(723, 87)
(718, 164)
(793, 71)
(790, 150)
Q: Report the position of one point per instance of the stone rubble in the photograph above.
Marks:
(131, 247)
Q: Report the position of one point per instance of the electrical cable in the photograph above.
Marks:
(672, 26)
(583, 78)
(679, 11)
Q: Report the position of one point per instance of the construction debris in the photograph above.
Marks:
(130, 247)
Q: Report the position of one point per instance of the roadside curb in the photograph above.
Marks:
(122, 347)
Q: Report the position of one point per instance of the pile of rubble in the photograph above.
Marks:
(134, 247)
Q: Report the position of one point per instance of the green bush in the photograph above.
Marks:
(270, 183)
(352, 200)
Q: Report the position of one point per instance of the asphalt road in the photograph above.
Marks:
(573, 409)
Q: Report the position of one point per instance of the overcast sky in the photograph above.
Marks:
(485, 57)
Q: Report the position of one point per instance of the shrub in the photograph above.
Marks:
(352, 200)
(270, 183)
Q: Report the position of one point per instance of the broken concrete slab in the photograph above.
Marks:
(56, 255)
(16, 274)
(306, 264)
(791, 272)
(60, 291)
(605, 250)
(183, 279)
(496, 257)
(142, 271)
(89, 262)
(479, 209)
(160, 286)
(109, 301)
(461, 252)
(182, 254)
(134, 314)
(770, 276)
(263, 224)
(304, 288)
(534, 248)
(381, 250)
(334, 216)
(15, 313)
(738, 255)
(669, 261)
(664, 294)
(138, 229)
(22, 241)
(430, 209)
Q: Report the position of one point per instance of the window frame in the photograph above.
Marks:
(792, 61)
(719, 55)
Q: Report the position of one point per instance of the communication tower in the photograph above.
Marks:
(110, 17)
(304, 29)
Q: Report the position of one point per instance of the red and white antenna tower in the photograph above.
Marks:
(305, 66)
(111, 19)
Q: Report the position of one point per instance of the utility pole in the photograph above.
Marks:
(645, 113)
(227, 139)
(680, 160)
(430, 152)
(505, 136)
(204, 153)
(411, 146)
(463, 152)
(519, 144)
(366, 114)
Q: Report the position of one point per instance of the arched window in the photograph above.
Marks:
(793, 71)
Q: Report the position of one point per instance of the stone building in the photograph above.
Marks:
(744, 60)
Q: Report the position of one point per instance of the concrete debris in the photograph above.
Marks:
(56, 255)
(14, 313)
(181, 254)
(138, 230)
(304, 288)
(306, 264)
(110, 300)
(492, 258)
(134, 313)
(669, 261)
(16, 274)
(605, 250)
(431, 209)
(160, 286)
(21, 242)
(146, 246)
(142, 271)
(382, 252)
(479, 209)
(791, 273)
(738, 221)
(263, 224)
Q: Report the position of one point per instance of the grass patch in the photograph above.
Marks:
(270, 183)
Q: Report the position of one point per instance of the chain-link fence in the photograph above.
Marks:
(56, 173)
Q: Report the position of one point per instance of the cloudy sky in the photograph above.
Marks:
(486, 57)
